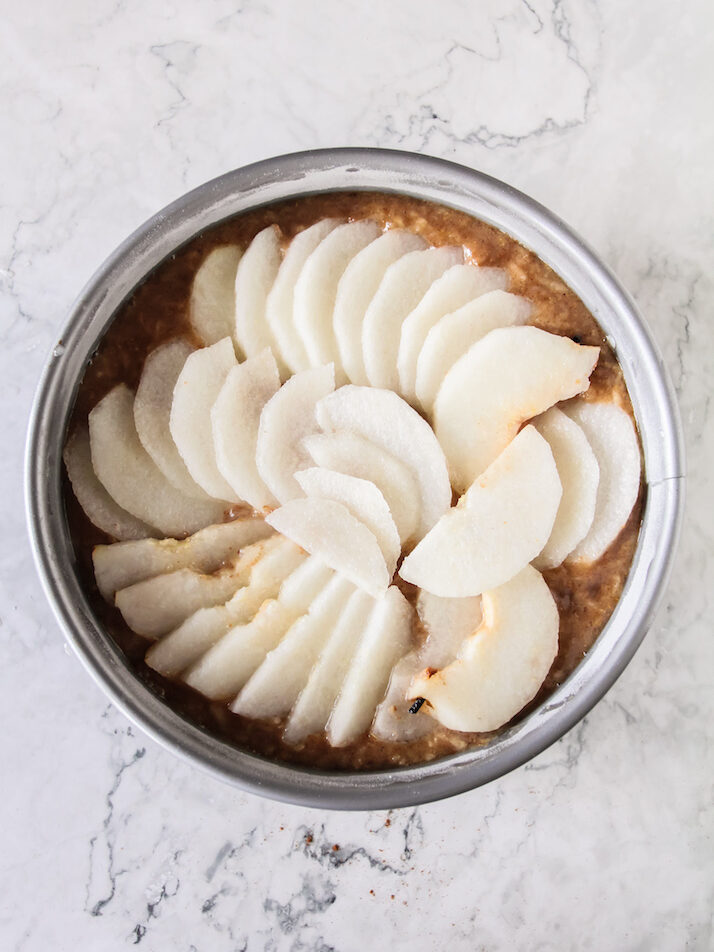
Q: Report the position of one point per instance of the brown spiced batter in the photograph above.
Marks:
(158, 311)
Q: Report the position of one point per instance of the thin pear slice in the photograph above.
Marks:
(612, 437)
(328, 530)
(316, 289)
(225, 668)
(354, 455)
(451, 337)
(254, 278)
(204, 628)
(501, 523)
(359, 497)
(212, 304)
(279, 305)
(313, 706)
(404, 284)
(287, 418)
(99, 507)
(386, 638)
(132, 478)
(384, 418)
(455, 288)
(196, 390)
(502, 665)
(357, 287)
(579, 475)
(235, 418)
(275, 686)
(507, 377)
(124, 563)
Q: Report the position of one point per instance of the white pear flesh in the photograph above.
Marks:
(254, 279)
(235, 418)
(212, 303)
(152, 410)
(509, 376)
(279, 307)
(312, 708)
(613, 439)
(275, 686)
(287, 418)
(404, 284)
(354, 455)
(503, 664)
(361, 498)
(99, 507)
(579, 475)
(500, 524)
(385, 640)
(357, 287)
(223, 670)
(124, 563)
(385, 419)
(131, 477)
(451, 337)
(316, 290)
(455, 288)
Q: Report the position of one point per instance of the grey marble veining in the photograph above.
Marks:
(602, 112)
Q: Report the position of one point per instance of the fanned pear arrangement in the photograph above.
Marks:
(363, 411)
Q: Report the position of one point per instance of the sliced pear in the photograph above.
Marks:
(279, 306)
(384, 418)
(275, 686)
(501, 523)
(455, 288)
(124, 563)
(226, 667)
(98, 505)
(612, 437)
(354, 455)
(359, 497)
(316, 289)
(357, 287)
(287, 418)
(235, 418)
(404, 284)
(313, 706)
(386, 638)
(132, 478)
(507, 377)
(254, 278)
(393, 721)
(212, 304)
(579, 476)
(328, 530)
(455, 333)
(502, 665)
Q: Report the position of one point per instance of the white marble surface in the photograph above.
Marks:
(110, 109)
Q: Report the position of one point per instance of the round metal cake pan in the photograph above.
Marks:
(439, 181)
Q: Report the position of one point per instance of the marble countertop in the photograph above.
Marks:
(110, 110)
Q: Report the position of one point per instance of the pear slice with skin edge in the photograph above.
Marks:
(503, 664)
(328, 530)
(509, 376)
(612, 437)
(235, 418)
(254, 279)
(357, 287)
(579, 475)
(354, 455)
(212, 303)
(455, 288)
(316, 290)
(131, 477)
(499, 525)
(451, 336)
(404, 284)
